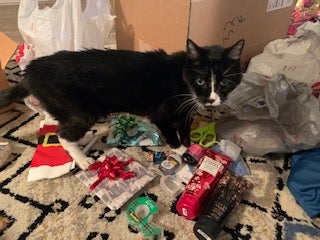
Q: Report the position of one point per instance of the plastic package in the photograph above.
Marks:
(238, 165)
(210, 168)
(171, 185)
(230, 149)
(130, 130)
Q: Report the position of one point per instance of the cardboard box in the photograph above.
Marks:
(151, 24)
(7, 49)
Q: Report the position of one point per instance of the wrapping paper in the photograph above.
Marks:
(115, 193)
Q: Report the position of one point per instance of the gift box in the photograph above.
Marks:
(116, 192)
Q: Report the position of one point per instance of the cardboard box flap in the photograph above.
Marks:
(7, 49)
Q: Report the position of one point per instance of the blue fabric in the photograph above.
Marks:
(304, 180)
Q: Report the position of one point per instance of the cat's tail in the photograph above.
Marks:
(12, 94)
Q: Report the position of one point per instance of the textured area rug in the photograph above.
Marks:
(64, 208)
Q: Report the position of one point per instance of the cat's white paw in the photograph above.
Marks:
(84, 163)
(180, 150)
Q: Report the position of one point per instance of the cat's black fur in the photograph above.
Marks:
(78, 88)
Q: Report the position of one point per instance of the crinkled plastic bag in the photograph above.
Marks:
(64, 26)
(271, 115)
(297, 57)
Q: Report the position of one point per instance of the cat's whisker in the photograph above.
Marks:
(186, 104)
(185, 95)
(189, 98)
(190, 113)
(233, 74)
(180, 95)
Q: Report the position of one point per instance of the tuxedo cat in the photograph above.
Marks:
(78, 88)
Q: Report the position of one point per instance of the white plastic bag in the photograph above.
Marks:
(297, 57)
(98, 20)
(64, 26)
(271, 115)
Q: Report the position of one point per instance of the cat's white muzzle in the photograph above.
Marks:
(213, 104)
(214, 100)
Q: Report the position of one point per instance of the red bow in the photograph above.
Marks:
(110, 168)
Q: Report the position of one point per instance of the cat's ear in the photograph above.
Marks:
(193, 51)
(234, 52)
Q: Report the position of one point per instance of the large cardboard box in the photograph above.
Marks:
(151, 24)
(7, 49)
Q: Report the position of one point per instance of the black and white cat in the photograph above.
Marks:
(78, 88)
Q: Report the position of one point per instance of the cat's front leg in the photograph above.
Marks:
(172, 139)
(184, 136)
(76, 154)
(180, 150)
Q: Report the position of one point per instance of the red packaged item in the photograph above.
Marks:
(208, 172)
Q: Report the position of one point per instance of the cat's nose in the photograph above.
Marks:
(214, 101)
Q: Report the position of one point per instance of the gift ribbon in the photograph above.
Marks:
(124, 123)
(110, 168)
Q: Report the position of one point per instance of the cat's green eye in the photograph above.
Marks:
(223, 83)
(200, 81)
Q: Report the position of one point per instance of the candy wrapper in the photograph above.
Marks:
(127, 130)
(116, 192)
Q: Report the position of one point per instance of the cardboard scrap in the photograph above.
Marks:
(7, 49)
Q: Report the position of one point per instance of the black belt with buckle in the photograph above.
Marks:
(49, 139)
